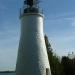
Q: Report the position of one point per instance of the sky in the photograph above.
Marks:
(59, 26)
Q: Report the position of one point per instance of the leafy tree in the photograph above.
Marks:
(69, 65)
(56, 68)
(65, 67)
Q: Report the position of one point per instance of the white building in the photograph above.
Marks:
(32, 54)
(71, 55)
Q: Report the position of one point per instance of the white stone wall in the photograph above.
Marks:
(32, 54)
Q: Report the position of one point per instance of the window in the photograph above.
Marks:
(47, 71)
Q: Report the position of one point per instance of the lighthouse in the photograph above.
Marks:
(32, 56)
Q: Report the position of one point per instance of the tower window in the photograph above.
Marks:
(47, 71)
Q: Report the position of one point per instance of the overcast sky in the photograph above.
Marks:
(59, 25)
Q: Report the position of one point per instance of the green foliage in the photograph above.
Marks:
(55, 65)
(68, 65)
(65, 67)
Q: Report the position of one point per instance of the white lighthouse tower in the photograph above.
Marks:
(32, 54)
